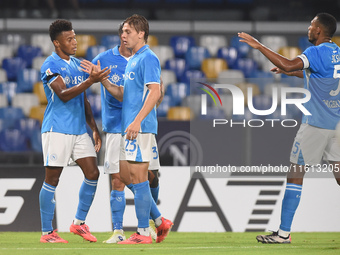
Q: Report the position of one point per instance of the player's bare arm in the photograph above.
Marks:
(66, 94)
(278, 60)
(150, 102)
(277, 70)
(115, 90)
(92, 123)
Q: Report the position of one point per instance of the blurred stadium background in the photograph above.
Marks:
(194, 39)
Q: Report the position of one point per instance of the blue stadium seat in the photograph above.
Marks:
(27, 78)
(93, 51)
(178, 65)
(28, 126)
(2, 124)
(194, 57)
(242, 48)
(163, 108)
(31, 129)
(28, 53)
(192, 75)
(11, 115)
(110, 41)
(95, 103)
(13, 140)
(9, 89)
(247, 66)
(304, 43)
(35, 140)
(177, 92)
(12, 66)
(230, 54)
(181, 44)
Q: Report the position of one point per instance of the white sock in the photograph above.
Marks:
(78, 222)
(283, 233)
(143, 231)
(119, 231)
(158, 221)
(46, 233)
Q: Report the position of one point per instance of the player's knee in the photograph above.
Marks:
(117, 184)
(153, 179)
(52, 180)
(93, 174)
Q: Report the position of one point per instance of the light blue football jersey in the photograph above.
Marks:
(142, 69)
(111, 107)
(322, 73)
(60, 117)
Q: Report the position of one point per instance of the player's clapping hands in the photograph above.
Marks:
(95, 72)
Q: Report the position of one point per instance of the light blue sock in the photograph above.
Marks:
(290, 203)
(86, 195)
(154, 193)
(118, 204)
(130, 186)
(47, 206)
(143, 200)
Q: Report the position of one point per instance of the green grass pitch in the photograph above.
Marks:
(27, 243)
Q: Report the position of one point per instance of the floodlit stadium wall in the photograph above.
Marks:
(193, 204)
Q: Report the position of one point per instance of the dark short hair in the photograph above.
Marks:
(120, 29)
(328, 22)
(59, 26)
(140, 23)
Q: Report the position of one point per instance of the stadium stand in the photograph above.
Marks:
(178, 65)
(25, 101)
(195, 55)
(213, 43)
(181, 44)
(211, 67)
(83, 42)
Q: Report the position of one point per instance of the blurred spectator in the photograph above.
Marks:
(25, 5)
(55, 13)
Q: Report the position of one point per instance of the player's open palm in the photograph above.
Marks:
(247, 38)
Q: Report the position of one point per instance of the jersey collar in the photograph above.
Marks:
(56, 56)
(145, 47)
(115, 50)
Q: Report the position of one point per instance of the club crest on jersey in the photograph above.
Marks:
(67, 80)
(115, 78)
(48, 72)
(133, 64)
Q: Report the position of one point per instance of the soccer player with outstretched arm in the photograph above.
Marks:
(315, 140)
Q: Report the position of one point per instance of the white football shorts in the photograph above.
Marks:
(112, 148)
(142, 149)
(312, 144)
(59, 149)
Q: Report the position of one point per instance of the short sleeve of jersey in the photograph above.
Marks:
(49, 72)
(152, 69)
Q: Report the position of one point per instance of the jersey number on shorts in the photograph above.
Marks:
(154, 150)
(130, 145)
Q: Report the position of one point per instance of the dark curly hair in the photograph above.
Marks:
(59, 26)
